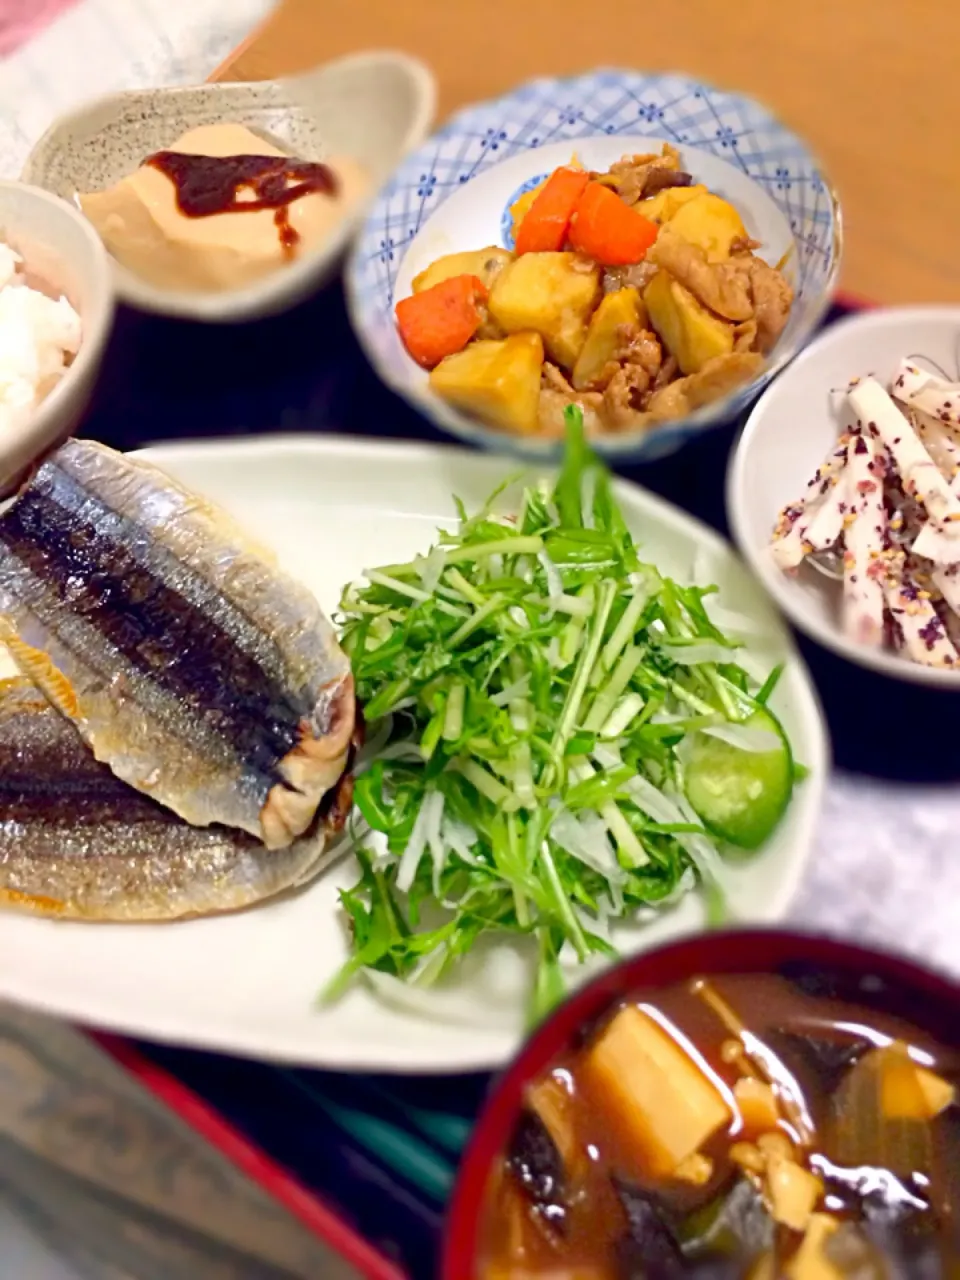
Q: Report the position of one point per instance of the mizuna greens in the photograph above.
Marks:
(566, 738)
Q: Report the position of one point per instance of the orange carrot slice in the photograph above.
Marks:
(605, 228)
(442, 319)
(544, 229)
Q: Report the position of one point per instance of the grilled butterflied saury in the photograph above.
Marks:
(77, 842)
(192, 666)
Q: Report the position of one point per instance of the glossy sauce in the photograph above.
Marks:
(208, 185)
(520, 1242)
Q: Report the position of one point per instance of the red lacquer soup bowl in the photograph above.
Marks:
(887, 990)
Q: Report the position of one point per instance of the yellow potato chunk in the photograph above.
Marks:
(617, 312)
(688, 330)
(655, 1095)
(552, 294)
(668, 202)
(486, 264)
(710, 223)
(497, 381)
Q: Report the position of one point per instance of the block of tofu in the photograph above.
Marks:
(653, 1092)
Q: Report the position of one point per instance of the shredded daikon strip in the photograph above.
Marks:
(552, 574)
(434, 832)
(745, 737)
(624, 837)
(518, 689)
(622, 715)
(734, 624)
(671, 810)
(928, 392)
(460, 838)
(866, 524)
(410, 859)
(692, 655)
(585, 837)
(430, 568)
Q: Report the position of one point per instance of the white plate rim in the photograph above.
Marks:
(470, 1057)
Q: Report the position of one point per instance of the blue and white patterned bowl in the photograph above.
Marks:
(452, 194)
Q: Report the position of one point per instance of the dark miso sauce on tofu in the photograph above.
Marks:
(755, 1127)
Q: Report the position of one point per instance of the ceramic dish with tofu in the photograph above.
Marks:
(229, 202)
(749, 1106)
(644, 245)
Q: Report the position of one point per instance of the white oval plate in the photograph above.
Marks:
(247, 983)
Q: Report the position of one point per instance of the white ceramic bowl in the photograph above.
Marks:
(371, 106)
(788, 435)
(62, 250)
(454, 193)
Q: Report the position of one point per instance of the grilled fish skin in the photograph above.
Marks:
(198, 671)
(76, 842)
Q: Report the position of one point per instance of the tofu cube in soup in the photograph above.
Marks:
(497, 380)
(653, 1093)
(685, 326)
(552, 294)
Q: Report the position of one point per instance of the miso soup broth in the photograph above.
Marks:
(752, 1126)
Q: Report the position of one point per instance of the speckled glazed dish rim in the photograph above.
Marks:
(625, 446)
(283, 288)
(930, 999)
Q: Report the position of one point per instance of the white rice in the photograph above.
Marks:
(39, 335)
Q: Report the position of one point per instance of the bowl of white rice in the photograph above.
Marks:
(56, 311)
